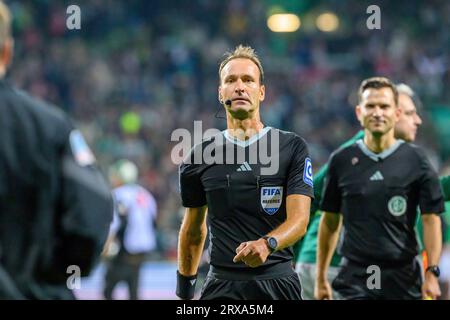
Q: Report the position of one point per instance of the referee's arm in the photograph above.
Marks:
(191, 240)
(329, 228)
(431, 203)
(297, 218)
(255, 253)
(432, 236)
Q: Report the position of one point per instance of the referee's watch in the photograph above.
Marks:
(434, 270)
(272, 243)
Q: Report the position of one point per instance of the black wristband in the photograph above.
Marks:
(186, 286)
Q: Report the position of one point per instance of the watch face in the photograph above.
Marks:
(272, 243)
(435, 270)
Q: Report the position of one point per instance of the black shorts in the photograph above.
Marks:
(357, 282)
(286, 287)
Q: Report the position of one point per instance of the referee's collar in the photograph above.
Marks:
(246, 143)
(379, 156)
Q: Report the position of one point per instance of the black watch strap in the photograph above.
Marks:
(434, 270)
(272, 243)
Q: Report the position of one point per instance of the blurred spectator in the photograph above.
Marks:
(133, 231)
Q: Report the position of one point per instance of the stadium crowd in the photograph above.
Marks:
(137, 70)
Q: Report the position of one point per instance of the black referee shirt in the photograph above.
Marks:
(378, 195)
(244, 201)
(55, 205)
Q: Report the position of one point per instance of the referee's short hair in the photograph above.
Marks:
(5, 23)
(377, 83)
(403, 88)
(243, 52)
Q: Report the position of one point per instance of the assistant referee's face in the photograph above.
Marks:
(377, 111)
(409, 121)
(239, 82)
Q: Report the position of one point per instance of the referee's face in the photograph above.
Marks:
(409, 121)
(239, 82)
(377, 111)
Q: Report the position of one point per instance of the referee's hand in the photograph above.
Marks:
(322, 290)
(252, 253)
(430, 287)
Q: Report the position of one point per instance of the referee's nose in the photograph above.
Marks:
(417, 119)
(377, 111)
(240, 86)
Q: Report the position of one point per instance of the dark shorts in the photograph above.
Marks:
(285, 287)
(358, 282)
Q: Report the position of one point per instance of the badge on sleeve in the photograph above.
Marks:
(81, 152)
(271, 198)
(308, 172)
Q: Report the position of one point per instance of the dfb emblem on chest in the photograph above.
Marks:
(271, 199)
(397, 206)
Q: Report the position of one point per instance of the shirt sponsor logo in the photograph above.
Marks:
(271, 199)
(308, 172)
(397, 206)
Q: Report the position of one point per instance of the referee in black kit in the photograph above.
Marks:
(377, 184)
(55, 206)
(255, 211)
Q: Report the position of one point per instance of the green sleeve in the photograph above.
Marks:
(318, 186)
(309, 242)
(320, 175)
(445, 184)
(446, 217)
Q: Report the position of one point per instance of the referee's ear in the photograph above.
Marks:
(262, 93)
(6, 53)
(358, 114)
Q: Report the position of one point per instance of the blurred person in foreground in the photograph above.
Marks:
(374, 187)
(55, 205)
(254, 215)
(133, 231)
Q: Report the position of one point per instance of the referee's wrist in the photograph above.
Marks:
(271, 243)
(186, 286)
(183, 275)
(321, 277)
